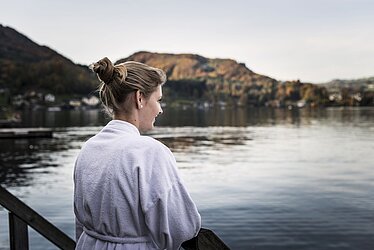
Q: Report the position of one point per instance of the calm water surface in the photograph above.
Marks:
(262, 179)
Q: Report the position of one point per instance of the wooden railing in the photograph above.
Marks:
(21, 216)
(205, 240)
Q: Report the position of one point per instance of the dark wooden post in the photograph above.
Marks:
(205, 240)
(18, 233)
(22, 213)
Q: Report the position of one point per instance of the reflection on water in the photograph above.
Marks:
(239, 117)
(262, 178)
(22, 159)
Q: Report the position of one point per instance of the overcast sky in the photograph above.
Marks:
(314, 41)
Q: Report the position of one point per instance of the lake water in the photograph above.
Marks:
(261, 178)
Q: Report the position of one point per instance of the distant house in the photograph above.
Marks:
(301, 104)
(19, 101)
(357, 97)
(335, 97)
(91, 101)
(49, 98)
(75, 103)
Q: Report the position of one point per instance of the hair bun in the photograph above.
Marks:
(104, 69)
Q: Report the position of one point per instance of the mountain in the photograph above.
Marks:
(27, 66)
(225, 80)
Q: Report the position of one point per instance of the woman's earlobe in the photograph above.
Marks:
(138, 98)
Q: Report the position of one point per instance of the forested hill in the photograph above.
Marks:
(353, 84)
(27, 66)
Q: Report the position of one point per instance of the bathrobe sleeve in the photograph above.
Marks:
(170, 214)
(77, 196)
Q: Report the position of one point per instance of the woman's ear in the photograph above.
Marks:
(139, 99)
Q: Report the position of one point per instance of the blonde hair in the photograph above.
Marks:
(117, 81)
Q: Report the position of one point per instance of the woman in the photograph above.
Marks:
(128, 192)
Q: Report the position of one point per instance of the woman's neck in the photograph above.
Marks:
(131, 118)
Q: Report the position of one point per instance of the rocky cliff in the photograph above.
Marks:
(225, 80)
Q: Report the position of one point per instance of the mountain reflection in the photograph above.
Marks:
(19, 158)
(23, 160)
(237, 117)
(181, 143)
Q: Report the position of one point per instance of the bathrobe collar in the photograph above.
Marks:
(123, 126)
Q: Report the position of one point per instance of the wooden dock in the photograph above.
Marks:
(16, 133)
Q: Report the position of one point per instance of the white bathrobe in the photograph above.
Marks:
(128, 193)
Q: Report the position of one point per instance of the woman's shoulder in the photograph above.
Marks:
(154, 145)
(158, 156)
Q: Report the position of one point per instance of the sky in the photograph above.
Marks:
(312, 41)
